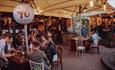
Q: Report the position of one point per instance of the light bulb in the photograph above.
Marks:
(99, 2)
(84, 10)
(91, 3)
(104, 7)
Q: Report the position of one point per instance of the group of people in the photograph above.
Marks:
(41, 49)
(103, 30)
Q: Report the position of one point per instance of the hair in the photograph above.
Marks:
(7, 35)
(36, 43)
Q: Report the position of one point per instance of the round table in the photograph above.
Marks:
(109, 60)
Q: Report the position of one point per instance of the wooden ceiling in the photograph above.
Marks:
(60, 8)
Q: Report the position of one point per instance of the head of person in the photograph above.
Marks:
(7, 37)
(93, 32)
(43, 38)
(32, 32)
(11, 40)
(35, 44)
(43, 42)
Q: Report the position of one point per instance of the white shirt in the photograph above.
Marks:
(9, 46)
(95, 38)
(2, 45)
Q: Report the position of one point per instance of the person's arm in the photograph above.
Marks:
(2, 57)
(8, 55)
(5, 56)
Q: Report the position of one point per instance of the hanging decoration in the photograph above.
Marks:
(23, 14)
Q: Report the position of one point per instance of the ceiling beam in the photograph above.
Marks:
(15, 1)
(74, 9)
(60, 8)
(47, 2)
(68, 10)
(7, 6)
(92, 9)
(84, 7)
(35, 5)
(57, 4)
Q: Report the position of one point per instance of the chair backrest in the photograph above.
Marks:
(59, 52)
(36, 66)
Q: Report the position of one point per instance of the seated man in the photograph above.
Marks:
(95, 38)
(38, 56)
(5, 47)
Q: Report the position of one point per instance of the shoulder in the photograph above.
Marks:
(2, 41)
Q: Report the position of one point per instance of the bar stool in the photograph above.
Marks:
(80, 50)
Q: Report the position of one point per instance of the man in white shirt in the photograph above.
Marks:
(3, 42)
(95, 38)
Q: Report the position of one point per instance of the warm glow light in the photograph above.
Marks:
(91, 3)
(104, 7)
(40, 11)
(35, 12)
(99, 2)
(38, 8)
(84, 10)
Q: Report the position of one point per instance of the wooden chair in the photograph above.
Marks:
(59, 59)
(95, 46)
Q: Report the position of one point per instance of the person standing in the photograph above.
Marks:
(84, 31)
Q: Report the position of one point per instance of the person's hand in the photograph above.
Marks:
(11, 55)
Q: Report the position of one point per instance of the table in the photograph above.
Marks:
(109, 60)
(18, 62)
(86, 42)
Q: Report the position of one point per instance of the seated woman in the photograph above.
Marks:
(38, 56)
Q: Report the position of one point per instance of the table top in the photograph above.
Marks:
(19, 57)
(109, 60)
(80, 38)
